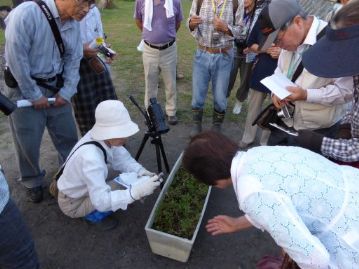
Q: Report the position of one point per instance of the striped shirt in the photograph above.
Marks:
(204, 32)
(31, 49)
(346, 150)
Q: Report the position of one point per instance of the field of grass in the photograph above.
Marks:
(127, 69)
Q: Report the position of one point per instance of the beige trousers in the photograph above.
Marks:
(255, 102)
(75, 207)
(80, 207)
(164, 61)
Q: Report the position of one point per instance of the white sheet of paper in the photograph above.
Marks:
(25, 103)
(277, 84)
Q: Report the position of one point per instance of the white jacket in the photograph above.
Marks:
(85, 174)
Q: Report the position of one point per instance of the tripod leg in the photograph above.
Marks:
(144, 140)
(164, 155)
(158, 157)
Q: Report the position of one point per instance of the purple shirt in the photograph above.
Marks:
(163, 28)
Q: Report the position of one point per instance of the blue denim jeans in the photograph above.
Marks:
(214, 68)
(16, 246)
(28, 126)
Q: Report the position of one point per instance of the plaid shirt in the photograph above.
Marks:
(346, 150)
(203, 33)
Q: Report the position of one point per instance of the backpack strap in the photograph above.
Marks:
(97, 144)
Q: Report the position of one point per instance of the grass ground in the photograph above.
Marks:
(127, 69)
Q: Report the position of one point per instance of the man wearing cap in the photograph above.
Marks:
(214, 24)
(319, 102)
(159, 21)
(83, 191)
(336, 55)
(37, 61)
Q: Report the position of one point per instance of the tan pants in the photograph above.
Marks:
(255, 102)
(80, 207)
(164, 61)
(75, 207)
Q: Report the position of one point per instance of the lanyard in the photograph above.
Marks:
(293, 64)
(215, 9)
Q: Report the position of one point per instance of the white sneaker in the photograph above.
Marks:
(237, 108)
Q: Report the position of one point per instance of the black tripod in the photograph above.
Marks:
(155, 139)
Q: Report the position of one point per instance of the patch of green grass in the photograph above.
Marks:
(179, 211)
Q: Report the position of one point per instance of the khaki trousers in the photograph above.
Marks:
(80, 207)
(164, 61)
(255, 102)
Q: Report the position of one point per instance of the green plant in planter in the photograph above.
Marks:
(180, 209)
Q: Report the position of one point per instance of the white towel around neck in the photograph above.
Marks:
(149, 12)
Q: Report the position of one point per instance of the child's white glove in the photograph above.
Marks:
(144, 187)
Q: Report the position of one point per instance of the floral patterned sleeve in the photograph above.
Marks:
(275, 213)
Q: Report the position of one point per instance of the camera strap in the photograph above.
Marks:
(55, 30)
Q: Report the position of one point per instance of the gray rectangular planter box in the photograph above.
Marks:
(169, 245)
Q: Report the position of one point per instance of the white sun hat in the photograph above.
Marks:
(112, 121)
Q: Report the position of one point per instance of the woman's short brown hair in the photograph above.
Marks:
(209, 157)
(347, 16)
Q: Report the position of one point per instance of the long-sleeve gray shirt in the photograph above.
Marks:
(31, 49)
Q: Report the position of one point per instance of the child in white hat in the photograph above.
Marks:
(83, 191)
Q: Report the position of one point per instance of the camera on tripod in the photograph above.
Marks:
(157, 117)
(155, 121)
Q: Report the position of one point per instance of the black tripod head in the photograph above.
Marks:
(155, 119)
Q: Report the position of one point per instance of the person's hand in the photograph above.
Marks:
(278, 103)
(109, 60)
(222, 224)
(194, 21)
(297, 94)
(246, 50)
(59, 101)
(274, 52)
(220, 25)
(144, 187)
(89, 52)
(143, 172)
(41, 103)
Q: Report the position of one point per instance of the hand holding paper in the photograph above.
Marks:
(277, 84)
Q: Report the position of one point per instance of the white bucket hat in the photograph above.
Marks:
(112, 121)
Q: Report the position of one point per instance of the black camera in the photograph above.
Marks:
(157, 116)
(6, 106)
